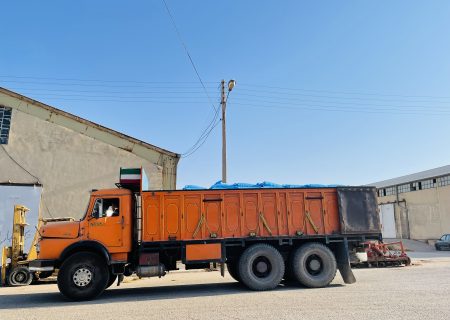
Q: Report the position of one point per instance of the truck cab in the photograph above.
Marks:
(105, 230)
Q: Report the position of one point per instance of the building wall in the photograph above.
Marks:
(423, 214)
(68, 164)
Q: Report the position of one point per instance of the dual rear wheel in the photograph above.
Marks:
(262, 267)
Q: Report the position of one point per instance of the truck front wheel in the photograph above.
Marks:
(261, 267)
(83, 276)
(313, 265)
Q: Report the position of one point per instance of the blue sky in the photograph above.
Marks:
(346, 92)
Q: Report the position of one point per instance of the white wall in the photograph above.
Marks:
(423, 214)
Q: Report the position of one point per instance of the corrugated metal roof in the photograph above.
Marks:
(427, 174)
(51, 114)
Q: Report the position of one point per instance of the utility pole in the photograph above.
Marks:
(223, 102)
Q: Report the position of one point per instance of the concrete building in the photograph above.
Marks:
(65, 156)
(416, 206)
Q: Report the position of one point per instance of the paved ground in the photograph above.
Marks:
(421, 291)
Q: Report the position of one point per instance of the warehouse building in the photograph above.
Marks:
(51, 159)
(416, 206)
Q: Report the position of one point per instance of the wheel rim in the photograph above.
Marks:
(261, 267)
(82, 277)
(19, 277)
(314, 265)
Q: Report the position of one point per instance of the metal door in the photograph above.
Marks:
(106, 228)
(387, 221)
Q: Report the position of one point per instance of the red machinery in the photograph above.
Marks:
(381, 254)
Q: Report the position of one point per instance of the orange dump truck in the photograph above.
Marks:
(262, 235)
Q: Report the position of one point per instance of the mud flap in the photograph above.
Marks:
(343, 262)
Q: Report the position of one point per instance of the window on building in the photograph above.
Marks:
(404, 188)
(428, 184)
(383, 192)
(390, 191)
(443, 181)
(5, 124)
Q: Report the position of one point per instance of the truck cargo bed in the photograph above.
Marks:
(242, 213)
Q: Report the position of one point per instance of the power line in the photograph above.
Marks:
(342, 109)
(320, 96)
(19, 165)
(102, 91)
(277, 96)
(361, 108)
(343, 104)
(187, 51)
(203, 141)
(205, 134)
(89, 84)
(345, 92)
(100, 80)
(151, 99)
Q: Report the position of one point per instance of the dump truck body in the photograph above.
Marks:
(261, 235)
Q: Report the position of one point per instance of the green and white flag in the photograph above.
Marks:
(130, 176)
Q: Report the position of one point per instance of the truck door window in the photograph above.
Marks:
(106, 208)
(111, 207)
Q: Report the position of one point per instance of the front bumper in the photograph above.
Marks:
(42, 265)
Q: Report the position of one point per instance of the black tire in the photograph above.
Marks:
(313, 265)
(83, 276)
(232, 268)
(438, 248)
(261, 267)
(112, 279)
(20, 276)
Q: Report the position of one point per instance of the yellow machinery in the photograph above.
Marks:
(14, 267)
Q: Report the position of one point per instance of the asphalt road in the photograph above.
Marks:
(421, 291)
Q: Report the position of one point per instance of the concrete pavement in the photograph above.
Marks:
(416, 292)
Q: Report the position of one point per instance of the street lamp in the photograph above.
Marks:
(231, 85)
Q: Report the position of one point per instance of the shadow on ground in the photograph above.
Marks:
(123, 294)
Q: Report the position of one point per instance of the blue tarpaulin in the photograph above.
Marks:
(261, 185)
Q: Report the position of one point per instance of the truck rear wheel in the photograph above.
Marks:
(83, 276)
(313, 265)
(261, 267)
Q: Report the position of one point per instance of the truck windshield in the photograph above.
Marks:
(86, 210)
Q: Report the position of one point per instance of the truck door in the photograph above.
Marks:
(106, 224)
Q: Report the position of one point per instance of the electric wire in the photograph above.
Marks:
(360, 108)
(19, 165)
(343, 92)
(100, 80)
(205, 134)
(239, 99)
(38, 181)
(180, 38)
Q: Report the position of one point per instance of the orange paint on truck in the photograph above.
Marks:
(258, 233)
